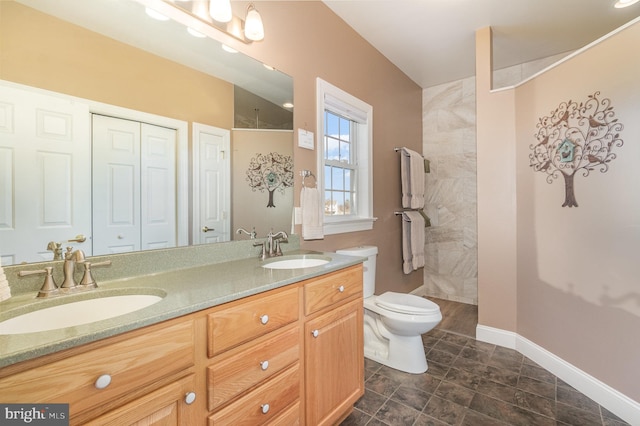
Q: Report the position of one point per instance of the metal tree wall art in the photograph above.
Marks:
(270, 172)
(576, 137)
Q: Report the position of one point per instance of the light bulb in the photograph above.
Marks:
(253, 28)
(220, 10)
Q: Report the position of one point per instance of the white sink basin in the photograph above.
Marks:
(77, 313)
(297, 262)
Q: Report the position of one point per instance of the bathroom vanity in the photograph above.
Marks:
(279, 347)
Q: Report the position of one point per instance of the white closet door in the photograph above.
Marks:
(211, 164)
(116, 185)
(45, 151)
(158, 180)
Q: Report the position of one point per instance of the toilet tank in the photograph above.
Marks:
(369, 266)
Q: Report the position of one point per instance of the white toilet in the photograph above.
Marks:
(394, 322)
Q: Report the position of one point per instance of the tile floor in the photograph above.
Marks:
(472, 383)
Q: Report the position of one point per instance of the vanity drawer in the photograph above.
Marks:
(131, 363)
(257, 362)
(243, 322)
(332, 288)
(264, 404)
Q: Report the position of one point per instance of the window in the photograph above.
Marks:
(344, 160)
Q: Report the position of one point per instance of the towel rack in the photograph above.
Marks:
(427, 220)
(427, 163)
(305, 174)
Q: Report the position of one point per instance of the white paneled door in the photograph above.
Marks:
(211, 165)
(134, 186)
(45, 149)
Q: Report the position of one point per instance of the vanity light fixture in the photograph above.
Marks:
(253, 28)
(624, 3)
(218, 14)
(220, 10)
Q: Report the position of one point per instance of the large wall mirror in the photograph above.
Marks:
(128, 133)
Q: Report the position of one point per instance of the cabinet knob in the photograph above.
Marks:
(315, 333)
(341, 289)
(264, 319)
(265, 408)
(103, 381)
(264, 365)
(189, 397)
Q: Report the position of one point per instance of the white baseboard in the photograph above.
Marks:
(496, 336)
(614, 401)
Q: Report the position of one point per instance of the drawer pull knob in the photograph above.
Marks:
(103, 381)
(264, 365)
(265, 408)
(315, 333)
(189, 397)
(341, 289)
(264, 319)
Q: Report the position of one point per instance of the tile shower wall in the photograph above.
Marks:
(449, 138)
(449, 143)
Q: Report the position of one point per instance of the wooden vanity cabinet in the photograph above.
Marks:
(167, 406)
(106, 375)
(315, 345)
(254, 374)
(288, 356)
(333, 346)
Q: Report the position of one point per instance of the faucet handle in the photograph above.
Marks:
(87, 280)
(263, 256)
(49, 286)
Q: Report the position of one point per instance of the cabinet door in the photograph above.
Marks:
(167, 406)
(334, 363)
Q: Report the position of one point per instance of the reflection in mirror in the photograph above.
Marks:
(157, 104)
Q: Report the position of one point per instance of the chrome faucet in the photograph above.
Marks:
(252, 235)
(69, 285)
(271, 247)
(274, 242)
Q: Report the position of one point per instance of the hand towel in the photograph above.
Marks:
(311, 218)
(5, 290)
(412, 241)
(412, 172)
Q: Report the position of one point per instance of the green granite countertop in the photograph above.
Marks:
(185, 291)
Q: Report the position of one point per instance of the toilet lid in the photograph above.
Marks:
(406, 303)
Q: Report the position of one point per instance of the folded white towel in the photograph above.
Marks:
(412, 178)
(412, 241)
(311, 217)
(5, 290)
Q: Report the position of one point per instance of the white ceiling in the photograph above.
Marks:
(433, 41)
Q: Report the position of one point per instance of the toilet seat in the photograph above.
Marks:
(406, 303)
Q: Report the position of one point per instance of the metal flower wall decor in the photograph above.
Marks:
(270, 172)
(576, 137)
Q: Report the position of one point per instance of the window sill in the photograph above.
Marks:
(341, 226)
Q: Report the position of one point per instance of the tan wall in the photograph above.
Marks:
(307, 40)
(577, 268)
(249, 207)
(496, 196)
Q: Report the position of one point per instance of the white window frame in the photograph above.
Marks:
(342, 103)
